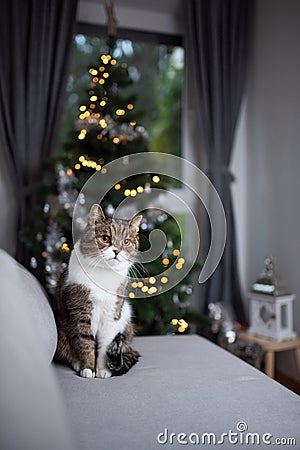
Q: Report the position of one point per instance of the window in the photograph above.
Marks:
(155, 64)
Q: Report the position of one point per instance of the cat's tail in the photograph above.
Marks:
(120, 357)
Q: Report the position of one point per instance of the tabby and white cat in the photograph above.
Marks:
(93, 317)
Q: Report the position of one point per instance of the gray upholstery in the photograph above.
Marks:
(183, 383)
(31, 408)
(32, 298)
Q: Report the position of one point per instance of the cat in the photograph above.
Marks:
(94, 320)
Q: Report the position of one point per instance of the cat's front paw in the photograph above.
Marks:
(87, 373)
(103, 373)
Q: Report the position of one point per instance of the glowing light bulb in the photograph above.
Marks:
(93, 98)
(140, 189)
(145, 289)
(65, 247)
(120, 112)
(101, 81)
(134, 285)
(174, 321)
(152, 280)
(127, 192)
(176, 252)
(113, 62)
(152, 290)
(116, 140)
(131, 295)
(156, 179)
(105, 75)
(82, 108)
(164, 280)
(133, 192)
(98, 167)
(103, 123)
(166, 261)
(130, 106)
(102, 103)
(117, 187)
(181, 260)
(77, 166)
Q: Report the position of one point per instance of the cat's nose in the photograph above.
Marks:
(116, 251)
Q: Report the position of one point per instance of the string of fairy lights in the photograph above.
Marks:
(94, 115)
(86, 162)
(153, 285)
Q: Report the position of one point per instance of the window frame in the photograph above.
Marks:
(129, 33)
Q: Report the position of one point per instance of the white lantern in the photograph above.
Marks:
(271, 306)
(272, 316)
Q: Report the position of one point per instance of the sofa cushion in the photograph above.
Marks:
(181, 385)
(33, 300)
(31, 410)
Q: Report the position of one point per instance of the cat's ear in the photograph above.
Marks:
(96, 214)
(135, 222)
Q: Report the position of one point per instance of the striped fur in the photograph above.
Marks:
(120, 356)
(94, 323)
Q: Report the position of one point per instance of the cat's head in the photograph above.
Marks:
(110, 242)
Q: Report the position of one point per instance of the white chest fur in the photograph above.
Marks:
(103, 284)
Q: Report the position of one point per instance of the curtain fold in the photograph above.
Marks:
(218, 37)
(35, 44)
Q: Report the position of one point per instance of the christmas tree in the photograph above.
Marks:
(107, 128)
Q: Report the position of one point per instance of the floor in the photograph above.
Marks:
(288, 382)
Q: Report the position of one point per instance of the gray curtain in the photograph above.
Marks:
(35, 43)
(218, 36)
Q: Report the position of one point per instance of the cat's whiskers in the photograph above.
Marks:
(140, 268)
(94, 261)
(136, 272)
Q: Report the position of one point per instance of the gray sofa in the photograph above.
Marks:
(184, 391)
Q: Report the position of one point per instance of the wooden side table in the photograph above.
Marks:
(270, 347)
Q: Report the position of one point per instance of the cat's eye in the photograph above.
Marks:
(126, 241)
(105, 238)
